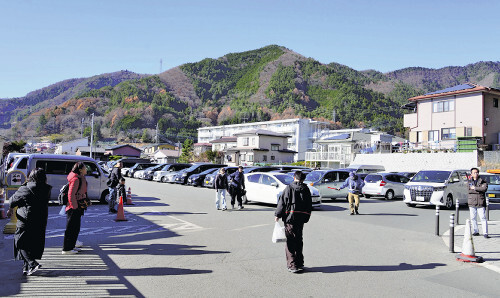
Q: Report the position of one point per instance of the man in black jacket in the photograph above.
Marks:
(477, 202)
(237, 187)
(294, 208)
(114, 179)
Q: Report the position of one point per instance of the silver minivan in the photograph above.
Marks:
(58, 166)
(326, 181)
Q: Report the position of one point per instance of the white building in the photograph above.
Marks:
(302, 132)
(70, 147)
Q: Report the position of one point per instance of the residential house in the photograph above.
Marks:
(223, 144)
(302, 132)
(98, 153)
(166, 156)
(71, 146)
(199, 148)
(151, 149)
(466, 110)
(337, 149)
(124, 150)
(260, 147)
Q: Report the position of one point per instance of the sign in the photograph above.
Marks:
(15, 179)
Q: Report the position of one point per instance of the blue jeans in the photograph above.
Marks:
(112, 198)
(220, 197)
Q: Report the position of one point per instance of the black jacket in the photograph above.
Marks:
(237, 180)
(295, 203)
(114, 177)
(32, 201)
(221, 182)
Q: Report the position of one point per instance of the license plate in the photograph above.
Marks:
(420, 198)
(491, 195)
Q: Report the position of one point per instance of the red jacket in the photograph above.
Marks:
(74, 193)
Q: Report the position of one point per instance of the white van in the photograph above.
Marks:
(57, 168)
(365, 169)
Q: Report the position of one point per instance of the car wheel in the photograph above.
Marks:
(367, 196)
(410, 205)
(163, 179)
(449, 202)
(104, 195)
(389, 195)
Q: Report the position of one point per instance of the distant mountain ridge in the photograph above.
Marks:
(272, 82)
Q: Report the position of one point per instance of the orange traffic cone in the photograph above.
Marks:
(468, 254)
(129, 197)
(120, 215)
(2, 206)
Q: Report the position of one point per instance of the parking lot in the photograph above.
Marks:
(175, 243)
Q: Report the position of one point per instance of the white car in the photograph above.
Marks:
(139, 174)
(267, 187)
(435, 187)
(388, 185)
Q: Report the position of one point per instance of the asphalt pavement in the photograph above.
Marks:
(175, 244)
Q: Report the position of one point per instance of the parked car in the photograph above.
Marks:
(327, 180)
(149, 172)
(367, 169)
(493, 180)
(210, 178)
(247, 170)
(139, 166)
(437, 187)
(58, 166)
(408, 175)
(196, 168)
(198, 179)
(388, 185)
(169, 170)
(267, 188)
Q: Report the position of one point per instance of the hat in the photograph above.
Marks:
(351, 174)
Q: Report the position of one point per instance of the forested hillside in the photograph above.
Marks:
(264, 84)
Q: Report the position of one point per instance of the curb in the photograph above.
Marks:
(446, 239)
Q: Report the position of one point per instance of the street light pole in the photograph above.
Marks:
(92, 136)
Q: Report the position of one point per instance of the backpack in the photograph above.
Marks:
(62, 198)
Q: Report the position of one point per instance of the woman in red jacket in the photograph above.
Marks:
(77, 191)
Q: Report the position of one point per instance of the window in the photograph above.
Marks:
(433, 135)
(245, 141)
(55, 167)
(443, 106)
(242, 157)
(468, 131)
(419, 136)
(495, 102)
(272, 157)
(91, 168)
(448, 133)
(23, 163)
(267, 180)
(264, 158)
(254, 178)
(275, 147)
(253, 141)
(250, 157)
(330, 176)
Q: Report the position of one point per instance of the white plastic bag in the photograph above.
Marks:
(278, 233)
(63, 210)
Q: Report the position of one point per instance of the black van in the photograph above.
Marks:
(196, 168)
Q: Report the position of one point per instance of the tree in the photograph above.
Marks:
(145, 136)
(187, 151)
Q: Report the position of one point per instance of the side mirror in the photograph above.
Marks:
(274, 184)
(326, 180)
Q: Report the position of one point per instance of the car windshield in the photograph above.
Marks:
(373, 178)
(431, 176)
(285, 179)
(314, 175)
(206, 172)
(491, 179)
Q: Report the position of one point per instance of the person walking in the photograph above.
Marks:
(77, 191)
(477, 202)
(113, 180)
(32, 202)
(355, 185)
(221, 186)
(294, 208)
(237, 187)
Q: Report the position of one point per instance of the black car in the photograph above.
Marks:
(198, 179)
(247, 170)
(210, 179)
(196, 168)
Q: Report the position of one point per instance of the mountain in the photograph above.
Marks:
(269, 83)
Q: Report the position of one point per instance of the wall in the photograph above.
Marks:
(412, 162)
(491, 160)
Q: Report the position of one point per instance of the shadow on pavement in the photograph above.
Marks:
(347, 268)
(330, 208)
(390, 214)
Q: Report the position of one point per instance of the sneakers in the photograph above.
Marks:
(486, 236)
(113, 211)
(224, 209)
(78, 243)
(77, 249)
(240, 207)
(34, 269)
(293, 270)
(357, 213)
(69, 252)
(232, 206)
(352, 213)
(475, 234)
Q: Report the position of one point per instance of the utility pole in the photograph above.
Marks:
(334, 116)
(81, 135)
(92, 136)
(156, 135)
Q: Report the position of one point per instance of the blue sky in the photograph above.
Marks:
(44, 42)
